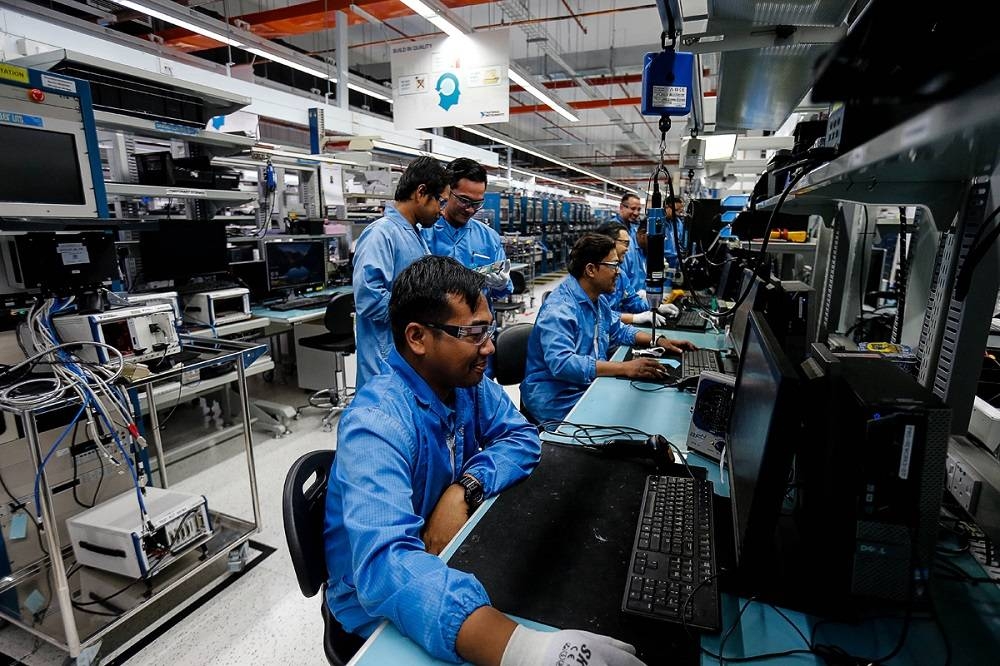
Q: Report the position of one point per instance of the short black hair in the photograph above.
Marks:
(627, 196)
(420, 293)
(589, 249)
(611, 230)
(425, 171)
(463, 167)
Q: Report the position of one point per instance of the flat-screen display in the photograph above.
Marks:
(180, 249)
(763, 430)
(39, 166)
(295, 264)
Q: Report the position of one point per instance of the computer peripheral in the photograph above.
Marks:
(302, 303)
(672, 575)
(688, 320)
(694, 362)
(654, 447)
(686, 383)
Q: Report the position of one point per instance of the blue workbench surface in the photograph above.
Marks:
(290, 316)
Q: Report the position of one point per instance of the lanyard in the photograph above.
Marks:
(597, 326)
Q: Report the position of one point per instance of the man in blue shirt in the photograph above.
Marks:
(575, 329)
(417, 451)
(632, 307)
(457, 235)
(633, 268)
(386, 247)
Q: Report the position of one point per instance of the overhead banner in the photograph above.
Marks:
(451, 81)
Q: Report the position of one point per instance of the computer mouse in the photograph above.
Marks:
(654, 447)
(687, 383)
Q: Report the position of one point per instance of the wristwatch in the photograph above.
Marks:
(473, 491)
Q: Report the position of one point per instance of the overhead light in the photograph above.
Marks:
(446, 26)
(556, 180)
(277, 152)
(537, 93)
(549, 158)
(368, 91)
(420, 8)
(152, 9)
(406, 150)
(294, 64)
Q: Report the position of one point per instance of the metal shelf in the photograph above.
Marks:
(174, 192)
(928, 159)
(118, 121)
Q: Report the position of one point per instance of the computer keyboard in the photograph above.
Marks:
(302, 304)
(689, 320)
(693, 362)
(672, 575)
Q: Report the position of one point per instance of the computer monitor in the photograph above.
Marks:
(63, 263)
(873, 276)
(703, 222)
(755, 301)
(295, 263)
(181, 249)
(763, 433)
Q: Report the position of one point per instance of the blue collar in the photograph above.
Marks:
(578, 292)
(418, 386)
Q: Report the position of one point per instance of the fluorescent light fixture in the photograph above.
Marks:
(301, 156)
(406, 150)
(530, 151)
(369, 91)
(288, 62)
(446, 26)
(420, 8)
(151, 10)
(556, 180)
(536, 92)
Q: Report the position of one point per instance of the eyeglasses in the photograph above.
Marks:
(466, 202)
(616, 265)
(626, 242)
(477, 335)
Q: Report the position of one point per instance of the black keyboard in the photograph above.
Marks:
(690, 320)
(672, 574)
(693, 362)
(302, 304)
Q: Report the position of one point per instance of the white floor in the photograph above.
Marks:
(263, 618)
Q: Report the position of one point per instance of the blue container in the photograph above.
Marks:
(666, 83)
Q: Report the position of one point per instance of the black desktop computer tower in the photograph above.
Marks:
(869, 480)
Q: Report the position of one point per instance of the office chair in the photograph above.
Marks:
(511, 357)
(339, 339)
(513, 303)
(546, 295)
(303, 509)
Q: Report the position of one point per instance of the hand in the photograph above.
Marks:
(644, 368)
(446, 520)
(498, 279)
(669, 310)
(676, 346)
(528, 647)
(647, 318)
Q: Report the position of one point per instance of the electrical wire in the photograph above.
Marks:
(594, 437)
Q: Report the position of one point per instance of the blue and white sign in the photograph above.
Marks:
(451, 81)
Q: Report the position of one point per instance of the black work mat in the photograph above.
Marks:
(555, 549)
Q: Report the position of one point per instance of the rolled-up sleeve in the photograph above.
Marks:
(395, 577)
(559, 335)
(373, 276)
(511, 445)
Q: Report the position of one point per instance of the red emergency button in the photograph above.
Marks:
(36, 95)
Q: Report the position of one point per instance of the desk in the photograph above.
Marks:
(971, 615)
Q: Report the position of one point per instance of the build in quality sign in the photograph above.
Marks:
(451, 81)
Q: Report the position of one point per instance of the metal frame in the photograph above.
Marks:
(224, 351)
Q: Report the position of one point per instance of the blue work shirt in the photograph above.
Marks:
(634, 263)
(384, 249)
(473, 245)
(624, 300)
(398, 448)
(572, 333)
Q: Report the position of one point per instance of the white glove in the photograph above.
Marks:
(647, 319)
(528, 647)
(498, 279)
(669, 310)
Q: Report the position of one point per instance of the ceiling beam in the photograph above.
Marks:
(584, 104)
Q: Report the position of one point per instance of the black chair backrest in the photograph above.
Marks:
(304, 510)
(546, 295)
(338, 314)
(517, 279)
(512, 353)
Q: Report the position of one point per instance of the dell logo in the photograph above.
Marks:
(872, 550)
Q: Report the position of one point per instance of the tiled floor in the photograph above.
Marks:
(263, 618)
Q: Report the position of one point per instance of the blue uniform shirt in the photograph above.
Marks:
(473, 245)
(624, 300)
(398, 448)
(384, 249)
(634, 263)
(571, 334)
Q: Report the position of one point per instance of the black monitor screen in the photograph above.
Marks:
(295, 264)
(66, 263)
(180, 249)
(762, 435)
(39, 166)
(738, 327)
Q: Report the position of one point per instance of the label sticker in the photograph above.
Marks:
(174, 128)
(670, 96)
(18, 526)
(57, 83)
(13, 73)
(904, 458)
(184, 192)
(21, 119)
(73, 253)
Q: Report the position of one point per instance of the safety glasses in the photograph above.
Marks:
(477, 335)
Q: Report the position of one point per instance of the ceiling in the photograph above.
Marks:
(589, 54)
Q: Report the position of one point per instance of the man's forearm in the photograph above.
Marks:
(483, 636)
